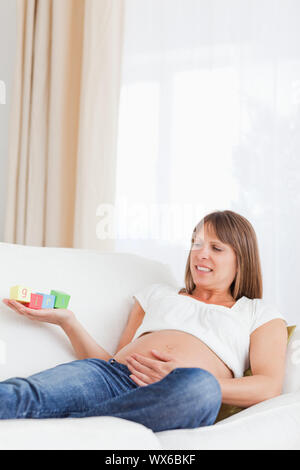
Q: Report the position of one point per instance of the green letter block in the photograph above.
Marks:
(61, 299)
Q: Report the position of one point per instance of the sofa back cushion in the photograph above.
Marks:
(100, 285)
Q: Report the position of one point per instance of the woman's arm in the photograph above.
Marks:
(267, 358)
(84, 345)
(135, 319)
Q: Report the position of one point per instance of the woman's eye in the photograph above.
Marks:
(199, 244)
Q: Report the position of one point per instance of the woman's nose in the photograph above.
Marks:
(203, 252)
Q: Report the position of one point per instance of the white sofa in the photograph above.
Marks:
(101, 287)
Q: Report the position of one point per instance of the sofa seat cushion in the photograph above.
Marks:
(95, 433)
(270, 425)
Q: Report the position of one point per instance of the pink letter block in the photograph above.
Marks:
(36, 301)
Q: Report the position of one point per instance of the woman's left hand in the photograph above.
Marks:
(145, 371)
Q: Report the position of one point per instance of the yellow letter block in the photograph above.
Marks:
(20, 293)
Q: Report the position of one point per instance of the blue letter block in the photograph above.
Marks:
(48, 301)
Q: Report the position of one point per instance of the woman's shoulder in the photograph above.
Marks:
(261, 305)
(257, 306)
(264, 311)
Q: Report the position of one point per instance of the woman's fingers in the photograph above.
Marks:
(153, 364)
(33, 312)
(138, 381)
(134, 365)
(141, 371)
(20, 308)
(13, 305)
(140, 375)
(137, 365)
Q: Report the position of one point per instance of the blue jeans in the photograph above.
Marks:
(185, 398)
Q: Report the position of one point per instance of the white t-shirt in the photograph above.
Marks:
(224, 330)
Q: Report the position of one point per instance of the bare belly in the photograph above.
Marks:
(191, 351)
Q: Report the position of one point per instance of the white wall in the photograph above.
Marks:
(210, 120)
(7, 61)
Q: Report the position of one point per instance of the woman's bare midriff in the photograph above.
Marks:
(189, 349)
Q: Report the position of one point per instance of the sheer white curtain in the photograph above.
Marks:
(210, 119)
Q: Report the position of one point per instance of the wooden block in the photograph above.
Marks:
(20, 293)
(36, 301)
(62, 299)
(48, 300)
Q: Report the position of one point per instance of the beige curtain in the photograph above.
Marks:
(63, 132)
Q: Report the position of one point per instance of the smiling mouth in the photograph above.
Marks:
(203, 271)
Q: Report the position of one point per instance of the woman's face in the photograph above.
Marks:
(208, 251)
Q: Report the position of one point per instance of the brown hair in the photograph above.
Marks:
(236, 231)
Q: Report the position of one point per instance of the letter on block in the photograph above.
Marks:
(36, 301)
(20, 293)
(48, 300)
(62, 299)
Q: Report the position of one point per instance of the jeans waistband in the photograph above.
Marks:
(119, 365)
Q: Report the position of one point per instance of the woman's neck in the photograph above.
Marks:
(213, 297)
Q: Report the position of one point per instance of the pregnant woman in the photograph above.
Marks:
(182, 353)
